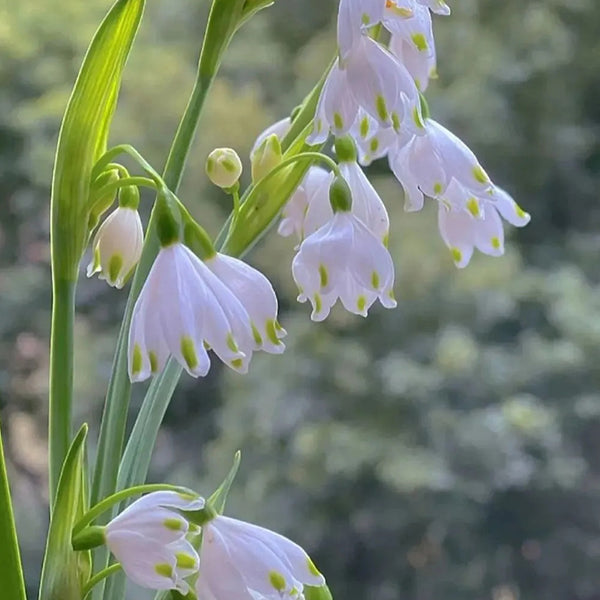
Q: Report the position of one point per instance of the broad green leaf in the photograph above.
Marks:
(84, 132)
(61, 573)
(11, 570)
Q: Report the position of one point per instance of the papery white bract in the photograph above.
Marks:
(428, 163)
(468, 222)
(148, 539)
(183, 306)
(240, 561)
(256, 294)
(117, 246)
(343, 259)
(279, 128)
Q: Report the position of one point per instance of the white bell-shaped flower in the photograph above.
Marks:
(256, 294)
(468, 222)
(416, 30)
(372, 140)
(182, 309)
(428, 163)
(308, 208)
(240, 561)
(344, 260)
(117, 246)
(354, 16)
(148, 539)
(421, 66)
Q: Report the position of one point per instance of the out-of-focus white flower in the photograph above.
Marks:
(279, 128)
(148, 539)
(224, 167)
(420, 65)
(467, 222)
(182, 306)
(117, 246)
(256, 294)
(243, 561)
(436, 6)
(353, 17)
(343, 259)
(428, 163)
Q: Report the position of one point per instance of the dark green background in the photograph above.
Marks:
(447, 449)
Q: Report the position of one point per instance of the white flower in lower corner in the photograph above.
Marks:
(240, 561)
(148, 539)
(343, 259)
(256, 294)
(117, 246)
(428, 163)
(469, 222)
(182, 308)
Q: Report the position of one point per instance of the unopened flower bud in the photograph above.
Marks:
(117, 246)
(224, 167)
(266, 157)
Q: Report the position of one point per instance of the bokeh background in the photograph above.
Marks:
(447, 449)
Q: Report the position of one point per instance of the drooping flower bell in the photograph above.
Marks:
(241, 560)
(343, 259)
(149, 540)
(117, 245)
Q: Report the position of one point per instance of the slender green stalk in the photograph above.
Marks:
(61, 377)
(98, 577)
(111, 188)
(11, 570)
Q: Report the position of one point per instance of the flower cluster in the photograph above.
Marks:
(159, 548)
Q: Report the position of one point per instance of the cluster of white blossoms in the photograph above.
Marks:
(226, 559)
(372, 103)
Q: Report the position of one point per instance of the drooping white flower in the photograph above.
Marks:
(468, 222)
(343, 259)
(308, 207)
(256, 294)
(371, 78)
(148, 539)
(183, 306)
(353, 17)
(372, 140)
(117, 246)
(420, 65)
(240, 561)
(428, 163)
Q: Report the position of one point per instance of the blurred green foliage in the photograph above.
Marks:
(449, 448)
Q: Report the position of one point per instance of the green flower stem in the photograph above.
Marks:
(123, 182)
(11, 570)
(121, 495)
(105, 161)
(61, 376)
(310, 156)
(98, 577)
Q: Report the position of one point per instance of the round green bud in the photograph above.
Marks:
(345, 149)
(224, 167)
(340, 195)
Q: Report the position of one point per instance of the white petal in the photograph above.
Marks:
(457, 231)
(353, 16)
(508, 208)
(279, 128)
(399, 164)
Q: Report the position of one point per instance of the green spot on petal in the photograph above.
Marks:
(277, 580)
(323, 275)
(115, 264)
(417, 118)
(386, 240)
(374, 145)
(136, 363)
(473, 207)
(437, 188)
(231, 343)
(480, 175)
(164, 570)
(256, 335)
(185, 561)
(173, 524)
(318, 303)
(420, 42)
(520, 212)
(361, 303)
(365, 19)
(338, 121)
(395, 121)
(237, 363)
(375, 282)
(364, 127)
(496, 243)
(271, 329)
(188, 351)
(456, 254)
(381, 106)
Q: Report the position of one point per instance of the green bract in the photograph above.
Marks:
(84, 133)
